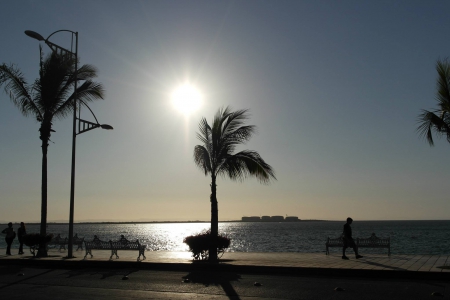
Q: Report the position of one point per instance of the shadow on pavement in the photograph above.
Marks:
(12, 270)
(105, 274)
(384, 266)
(222, 279)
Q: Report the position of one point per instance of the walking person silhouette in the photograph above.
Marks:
(348, 239)
(10, 236)
(20, 233)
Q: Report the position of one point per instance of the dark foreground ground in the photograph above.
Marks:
(173, 275)
(24, 282)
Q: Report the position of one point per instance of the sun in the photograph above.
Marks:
(186, 99)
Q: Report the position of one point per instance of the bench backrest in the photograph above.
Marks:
(373, 241)
(77, 239)
(96, 243)
(123, 243)
(58, 240)
(335, 242)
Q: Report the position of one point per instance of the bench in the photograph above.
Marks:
(96, 244)
(78, 242)
(114, 246)
(372, 242)
(58, 241)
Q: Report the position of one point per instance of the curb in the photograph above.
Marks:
(191, 267)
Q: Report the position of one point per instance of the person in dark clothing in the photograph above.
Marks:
(10, 236)
(348, 239)
(21, 232)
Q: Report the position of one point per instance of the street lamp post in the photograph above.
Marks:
(81, 123)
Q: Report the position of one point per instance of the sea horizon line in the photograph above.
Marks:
(199, 221)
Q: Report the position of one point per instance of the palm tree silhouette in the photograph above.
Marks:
(438, 120)
(50, 96)
(215, 157)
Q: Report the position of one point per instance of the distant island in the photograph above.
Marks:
(271, 219)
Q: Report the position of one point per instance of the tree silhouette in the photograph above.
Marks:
(439, 119)
(50, 96)
(215, 157)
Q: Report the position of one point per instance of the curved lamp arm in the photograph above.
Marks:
(53, 46)
(91, 125)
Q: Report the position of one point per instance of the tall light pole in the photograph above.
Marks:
(86, 124)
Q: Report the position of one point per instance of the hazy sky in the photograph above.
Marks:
(334, 87)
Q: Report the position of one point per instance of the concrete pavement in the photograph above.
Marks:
(28, 282)
(433, 267)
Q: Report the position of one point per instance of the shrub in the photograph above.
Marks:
(199, 244)
(33, 239)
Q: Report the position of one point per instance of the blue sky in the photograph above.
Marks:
(334, 87)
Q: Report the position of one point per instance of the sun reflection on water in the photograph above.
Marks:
(407, 237)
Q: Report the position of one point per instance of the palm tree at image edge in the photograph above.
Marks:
(215, 157)
(51, 95)
(438, 121)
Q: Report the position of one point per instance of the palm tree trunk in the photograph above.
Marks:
(42, 251)
(214, 221)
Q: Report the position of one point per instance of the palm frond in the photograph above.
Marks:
(90, 91)
(223, 123)
(202, 159)
(443, 84)
(246, 163)
(234, 120)
(219, 142)
(429, 122)
(205, 131)
(240, 135)
(18, 90)
(86, 72)
(52, 86)
(87, 92)
(438, 121)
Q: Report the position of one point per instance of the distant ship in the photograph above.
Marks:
(270, 219)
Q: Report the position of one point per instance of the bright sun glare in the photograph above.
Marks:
(186, 99)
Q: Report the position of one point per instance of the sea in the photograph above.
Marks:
(407, 237)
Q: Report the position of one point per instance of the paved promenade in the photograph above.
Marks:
(371, 265)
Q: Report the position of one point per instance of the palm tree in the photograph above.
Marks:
(50, 96)
(438, 120)
(215, 157)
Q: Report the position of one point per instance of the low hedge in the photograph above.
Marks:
(199, 244)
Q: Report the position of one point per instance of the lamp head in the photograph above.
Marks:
(34, 35)
(106, 126)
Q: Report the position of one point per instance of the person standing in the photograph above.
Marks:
(20, 233)
(348, 239)
(10, 236)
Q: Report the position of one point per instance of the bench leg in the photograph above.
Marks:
(88, 251)
(113, 252)
(141, 252)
